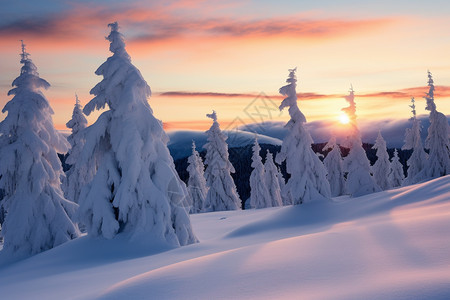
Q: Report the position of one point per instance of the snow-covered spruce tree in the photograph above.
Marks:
(438, 139)
(334, 164)
(382, 166)
(76, 177)
(197, 184)
(308, 180)
(222, 194)
(38, 217)
(282, 182)
(417, 160)
(272, 181)
(396, 175)
(259, 194)
(136, 190)
(359, 180)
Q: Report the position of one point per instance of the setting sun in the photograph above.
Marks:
(344, 119)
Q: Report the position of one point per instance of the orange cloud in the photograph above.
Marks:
(301, 96)
(417, 92)
(156, 24)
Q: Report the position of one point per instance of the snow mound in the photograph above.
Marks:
(388, 245)
(181, 141)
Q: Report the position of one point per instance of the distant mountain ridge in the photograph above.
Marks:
(393, 131)
(180, 144)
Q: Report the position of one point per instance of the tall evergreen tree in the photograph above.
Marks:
(334, 164)
(417, 161)
(222, 194)
(197, 184)
(282, 182)
(396, 175)
(272, 180)
(38, 217)
(382, 166)
(308, 180)
(259, 194)
(359, 181)
(76, 177)
(438, 139)
(136, 190)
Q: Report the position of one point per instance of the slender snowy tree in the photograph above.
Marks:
(359, 181)
(438, 139)
(381, 167)
(396, 175)
(222, 194)
(308, 180)
(38, 217)
(136, 190)
(76, 177)
(197, 184)
(259, 194)
(416, 162)
(334, 164)
(272, 181)
(282, 182)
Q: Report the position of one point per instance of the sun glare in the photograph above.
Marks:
(344, 119)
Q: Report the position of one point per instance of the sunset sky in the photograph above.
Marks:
(233, 56)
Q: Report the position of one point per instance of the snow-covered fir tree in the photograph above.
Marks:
(272, 180)
(38, 217)
(259, 194)
(396, 175)
(359, 180)
(308, 180)
(382, 166)
(136, 190)
(222, 193)
(282, 182)
(438, 139)
(334, 164)
(76, 177)
(197, 184)
(413, 141)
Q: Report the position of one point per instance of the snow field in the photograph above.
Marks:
(393, 244)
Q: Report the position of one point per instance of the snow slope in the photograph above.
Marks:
(180, 144)
(389, 245)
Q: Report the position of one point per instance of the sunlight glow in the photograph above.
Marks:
(344, 119)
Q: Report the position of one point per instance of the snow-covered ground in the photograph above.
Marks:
(389, 245)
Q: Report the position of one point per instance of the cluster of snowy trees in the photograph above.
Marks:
(310, 178)
(355, 176)
(122, 178)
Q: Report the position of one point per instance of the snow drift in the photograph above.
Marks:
(388, 245)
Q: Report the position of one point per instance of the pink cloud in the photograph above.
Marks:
(158, 24)
(418, 92)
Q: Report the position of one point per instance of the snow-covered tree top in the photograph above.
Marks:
(29, 77)
(123, 88)
(78, 120)
(256, 158)
(117, 45)
(351, 109)
(290, 101)
(431, 106)
(331, 144)
(380, 143)
(212, 116)
(413, 108)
